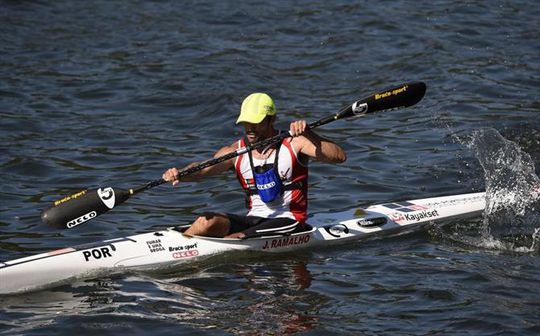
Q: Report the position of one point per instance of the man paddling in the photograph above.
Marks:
(274, 178)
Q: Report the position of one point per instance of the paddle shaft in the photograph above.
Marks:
(261, 144)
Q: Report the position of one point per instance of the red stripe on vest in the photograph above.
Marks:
(239, 176)
(299, 200)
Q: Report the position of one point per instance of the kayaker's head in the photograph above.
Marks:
(257, 114)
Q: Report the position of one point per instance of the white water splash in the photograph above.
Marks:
(512, 218)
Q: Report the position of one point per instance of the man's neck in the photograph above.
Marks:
(272, 132)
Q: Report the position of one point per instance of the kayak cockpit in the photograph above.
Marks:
(306, 228)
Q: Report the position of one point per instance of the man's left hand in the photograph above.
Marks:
(298, 127)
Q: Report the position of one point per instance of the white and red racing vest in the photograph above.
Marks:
(293, 203)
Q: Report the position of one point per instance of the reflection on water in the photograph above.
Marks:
(239, 298)
(265, 295)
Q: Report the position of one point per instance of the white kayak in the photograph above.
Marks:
(162, 249)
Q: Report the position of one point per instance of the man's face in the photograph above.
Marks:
(260, 131)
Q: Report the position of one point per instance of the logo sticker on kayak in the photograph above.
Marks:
(337, 230)
(98, 253)
(155, 245)
(183, 248)
(185, 254)
(286, 241)
(421, 215)
(417, 217)
(107, 196)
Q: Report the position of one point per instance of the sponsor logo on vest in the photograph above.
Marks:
(98, 253)
(107, 196)
(266, 185)
(80, 220)
(185, 254)
(422, 215)
(286, 241)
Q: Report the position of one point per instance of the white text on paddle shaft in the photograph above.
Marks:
(97, 253)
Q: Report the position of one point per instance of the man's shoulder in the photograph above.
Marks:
(235, 144)
(297, 144)
(227, 149)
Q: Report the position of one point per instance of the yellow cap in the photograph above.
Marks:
(255, 107)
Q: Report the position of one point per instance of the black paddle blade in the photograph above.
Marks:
(401, 96)
(83, 206)
(397, 97)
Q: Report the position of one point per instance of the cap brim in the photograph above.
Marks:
(252, 119)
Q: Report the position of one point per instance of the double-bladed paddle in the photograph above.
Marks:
(85, 205)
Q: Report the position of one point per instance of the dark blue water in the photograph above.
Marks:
(103, 93)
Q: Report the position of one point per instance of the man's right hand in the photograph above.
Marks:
(171, 175)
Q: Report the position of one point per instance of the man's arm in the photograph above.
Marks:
(171, 175)
(313, 145)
